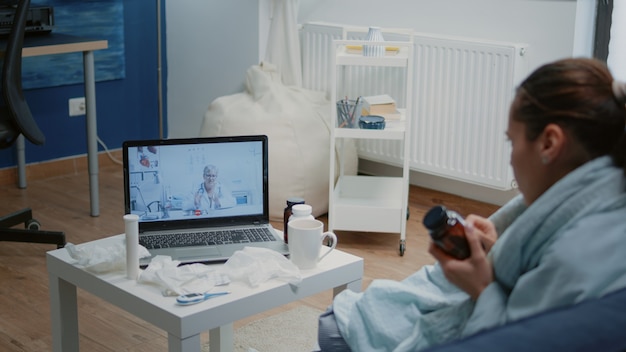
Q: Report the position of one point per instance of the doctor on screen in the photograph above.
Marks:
(211, 194)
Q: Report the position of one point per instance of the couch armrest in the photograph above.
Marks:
(592, 325)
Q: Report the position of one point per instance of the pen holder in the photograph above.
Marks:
(348, 113)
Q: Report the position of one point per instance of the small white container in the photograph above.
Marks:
(374, 35)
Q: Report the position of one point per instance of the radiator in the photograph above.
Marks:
(462, 89)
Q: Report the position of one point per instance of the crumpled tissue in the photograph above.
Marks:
(256, 265)
(174, 280)
(102, 259)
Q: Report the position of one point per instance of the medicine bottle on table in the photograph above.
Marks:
(447, 230)
(291, 201)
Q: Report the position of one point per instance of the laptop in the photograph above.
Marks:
(182, 189)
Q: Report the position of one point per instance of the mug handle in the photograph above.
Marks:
(333, 240)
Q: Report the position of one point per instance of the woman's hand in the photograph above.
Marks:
(487, 231)
(471, 275)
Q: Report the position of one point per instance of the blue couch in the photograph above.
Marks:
(593, 325)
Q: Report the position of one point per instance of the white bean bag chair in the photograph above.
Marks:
(297, 123)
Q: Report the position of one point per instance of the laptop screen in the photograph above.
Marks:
(196, 182)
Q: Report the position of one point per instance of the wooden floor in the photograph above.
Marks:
(62, 203)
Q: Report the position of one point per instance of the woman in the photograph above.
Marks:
(559, 242)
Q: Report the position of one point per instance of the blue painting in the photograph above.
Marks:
(95, 19)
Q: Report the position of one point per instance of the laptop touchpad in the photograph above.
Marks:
(202, 252)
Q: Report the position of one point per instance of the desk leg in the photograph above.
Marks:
(221, 339)
(92, 132)
(20, 146)
(353, 286)
(189, 344)
(63, 315)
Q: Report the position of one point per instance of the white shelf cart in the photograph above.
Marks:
(369, 203)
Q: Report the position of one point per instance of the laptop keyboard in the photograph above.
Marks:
(204, 238)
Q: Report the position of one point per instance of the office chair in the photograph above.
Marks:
(15, 120)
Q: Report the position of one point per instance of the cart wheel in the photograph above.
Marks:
(402, 247)
(33, 224)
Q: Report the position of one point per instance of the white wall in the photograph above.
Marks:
(584, 30)
(210, 45)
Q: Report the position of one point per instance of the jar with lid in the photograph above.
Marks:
(291, 201)
(447, 230)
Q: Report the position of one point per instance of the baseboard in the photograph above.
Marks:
(462, 189)
(58, 167)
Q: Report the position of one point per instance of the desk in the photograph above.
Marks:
(337, 271)
(55, 43)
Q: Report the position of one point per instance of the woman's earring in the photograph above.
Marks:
(545, 160)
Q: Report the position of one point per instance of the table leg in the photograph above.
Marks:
(221, 339)
(63, 315)
(92, 133)
(176, 344)
(352, 286)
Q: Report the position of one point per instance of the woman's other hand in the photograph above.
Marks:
(471, 275)
(486, 230)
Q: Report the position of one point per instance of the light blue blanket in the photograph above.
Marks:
(555, 252)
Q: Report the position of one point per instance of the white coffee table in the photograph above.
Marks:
(337, 271)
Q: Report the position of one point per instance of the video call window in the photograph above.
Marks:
(196, 180)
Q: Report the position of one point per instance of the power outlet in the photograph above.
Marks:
(77, 106)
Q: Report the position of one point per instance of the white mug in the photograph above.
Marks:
(305, 242)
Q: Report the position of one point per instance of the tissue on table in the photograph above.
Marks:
(250, 265)
(256, 265)
(174, 280)
(101, 259)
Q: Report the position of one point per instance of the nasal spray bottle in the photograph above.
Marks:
(131, 225)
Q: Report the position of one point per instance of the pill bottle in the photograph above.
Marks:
(291, 201)
(447, 230)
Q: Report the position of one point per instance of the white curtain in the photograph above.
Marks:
(283, 44)
(617, 45)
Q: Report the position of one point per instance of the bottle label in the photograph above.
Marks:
(454, 241)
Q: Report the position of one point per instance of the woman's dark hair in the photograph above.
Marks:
(579, 96)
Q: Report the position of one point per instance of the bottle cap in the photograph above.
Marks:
(294, 200)
(436, 217)
(301, 209)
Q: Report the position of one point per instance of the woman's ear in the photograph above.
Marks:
(551, 142)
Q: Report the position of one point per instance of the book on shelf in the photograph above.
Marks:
(382, 105)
